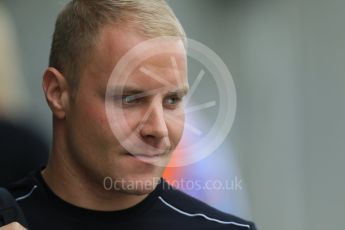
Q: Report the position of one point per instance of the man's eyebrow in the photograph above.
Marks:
(182, 92)
(124, 90)
(138, 93)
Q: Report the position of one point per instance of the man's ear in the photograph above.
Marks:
(56, 91)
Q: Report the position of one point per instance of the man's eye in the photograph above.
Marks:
(129, 99)
(173, 100)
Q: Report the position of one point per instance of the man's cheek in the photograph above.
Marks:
(130, 121)
(175, 133)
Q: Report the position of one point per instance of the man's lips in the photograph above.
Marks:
(149, 158)
(148, 155)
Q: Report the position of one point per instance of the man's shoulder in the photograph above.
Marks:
(189, 208)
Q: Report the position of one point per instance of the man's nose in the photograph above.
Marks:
(153, 125)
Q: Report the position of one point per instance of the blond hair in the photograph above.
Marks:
(78, 27)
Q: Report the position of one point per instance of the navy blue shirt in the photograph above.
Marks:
(164, 208)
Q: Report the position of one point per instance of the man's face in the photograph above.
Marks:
(154, 119)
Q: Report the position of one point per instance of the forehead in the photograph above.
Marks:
(117, 41)
(114, 43)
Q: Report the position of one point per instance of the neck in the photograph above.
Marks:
(75, 187)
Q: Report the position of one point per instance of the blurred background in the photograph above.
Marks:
(287, 59)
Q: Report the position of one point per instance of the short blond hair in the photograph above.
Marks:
(78, 27)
